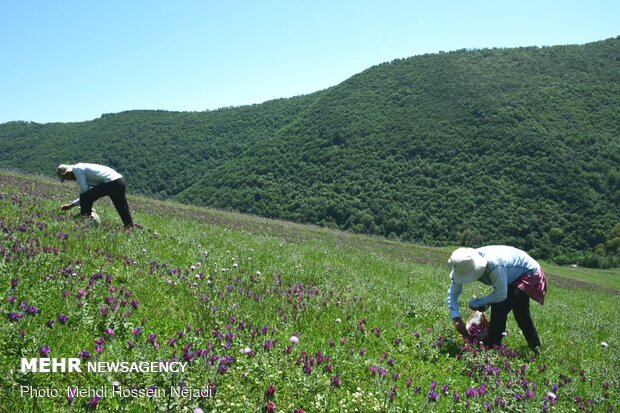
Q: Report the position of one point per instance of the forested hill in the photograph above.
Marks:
(518, 146)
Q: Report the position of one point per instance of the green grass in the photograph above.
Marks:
(609, 279)
(218, 282)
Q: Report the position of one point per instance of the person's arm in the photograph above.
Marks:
(454, 292)
(499, 280)
(70, 205)
(80, 177)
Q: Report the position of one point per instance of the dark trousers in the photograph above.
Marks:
(519, 303)
(116, 191)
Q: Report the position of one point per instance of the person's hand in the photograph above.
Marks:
(473, 304)
(460, 327)
(66, 207)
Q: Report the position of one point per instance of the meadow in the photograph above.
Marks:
(272, 316)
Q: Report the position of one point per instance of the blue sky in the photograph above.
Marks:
(67, 61)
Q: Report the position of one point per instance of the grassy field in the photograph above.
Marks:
(271, 316)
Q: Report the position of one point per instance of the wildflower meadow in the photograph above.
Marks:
(270, 316)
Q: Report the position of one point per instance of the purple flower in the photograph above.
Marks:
(15, 316)
(336, 381)
(94, 402)
(433, 396)
(44, 351)
(270, 392)
(63, 318)
(84, 354)
(33, 310)
(71, 394)
(14, 283)
(471, 392)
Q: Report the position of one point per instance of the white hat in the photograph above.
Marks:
(467, 265)
(62, 170)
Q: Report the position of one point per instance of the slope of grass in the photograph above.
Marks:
(226, 293)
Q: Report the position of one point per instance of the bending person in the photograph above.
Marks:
(96, 181)
(515, 277)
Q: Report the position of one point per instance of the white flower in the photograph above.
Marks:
(294, 339)
(552, 395)
(338, 320)
(604, 344)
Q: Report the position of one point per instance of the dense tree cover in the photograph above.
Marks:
(516, 146)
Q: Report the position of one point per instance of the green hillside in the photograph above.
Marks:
(271, 316)
(512, 146)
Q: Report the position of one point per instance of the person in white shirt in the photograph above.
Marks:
(515, 277)
(95, 182)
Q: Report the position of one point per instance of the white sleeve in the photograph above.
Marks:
(454, 292)
(499, 280)
(80, 177)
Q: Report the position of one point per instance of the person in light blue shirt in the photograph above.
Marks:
(95, 182)
(515, 277)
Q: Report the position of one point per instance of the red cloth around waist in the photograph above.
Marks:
(534, 285)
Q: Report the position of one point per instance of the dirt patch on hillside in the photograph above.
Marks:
(572, 283)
